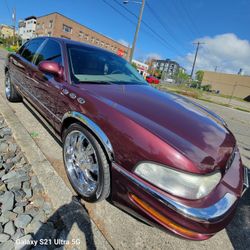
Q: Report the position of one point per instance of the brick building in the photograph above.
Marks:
(58, 25)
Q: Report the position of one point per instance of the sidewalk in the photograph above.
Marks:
(37, 207)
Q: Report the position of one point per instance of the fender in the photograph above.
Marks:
(94, 128)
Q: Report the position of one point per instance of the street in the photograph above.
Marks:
(121, 230)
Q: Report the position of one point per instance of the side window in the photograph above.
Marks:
(30, 50)
(50, 52)
(20, 51)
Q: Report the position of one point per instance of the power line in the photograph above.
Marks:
(164, 41)
(119, 12)
(185, 8)
(161, 22)
(7, 5)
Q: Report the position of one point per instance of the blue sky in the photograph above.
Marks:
(178, 23)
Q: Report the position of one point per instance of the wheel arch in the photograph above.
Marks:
(92, 127)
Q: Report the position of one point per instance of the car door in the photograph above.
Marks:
(45, 86)
(22, 66)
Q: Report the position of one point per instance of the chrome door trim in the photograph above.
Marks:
(94, 128)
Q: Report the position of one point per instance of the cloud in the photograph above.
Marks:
(226, 51)
(123, 42)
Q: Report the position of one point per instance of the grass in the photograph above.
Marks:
(34, 134)
(199, 94)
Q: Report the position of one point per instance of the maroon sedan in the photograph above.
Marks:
(158, 156)
(152, 80)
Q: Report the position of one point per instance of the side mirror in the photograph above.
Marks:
(52, 68)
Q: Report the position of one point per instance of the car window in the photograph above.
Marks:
(20, 51)
(90, 65)
(31, 48)
(50, 52)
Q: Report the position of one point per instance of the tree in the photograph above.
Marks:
(199, 75)
(181, 77)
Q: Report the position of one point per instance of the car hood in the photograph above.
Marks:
(195, 132)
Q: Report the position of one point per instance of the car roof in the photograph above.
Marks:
(72, 42)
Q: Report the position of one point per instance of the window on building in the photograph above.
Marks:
(86, 37)
(67, 29)
(50, 24)
(92, 39)
(97, 41)
(31, 48)
(102, 44)
(38, 26)
(49, 33)
(81, 34)
(50, 52)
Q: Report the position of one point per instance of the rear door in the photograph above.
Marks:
(22, 66)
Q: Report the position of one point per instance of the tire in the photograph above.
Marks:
(76, 159)
(11, 93)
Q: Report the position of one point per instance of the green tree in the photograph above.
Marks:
(199, 75)
(181, 77)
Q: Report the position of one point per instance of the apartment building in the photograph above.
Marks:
(167, 67)
(58, 25)
(27, 28)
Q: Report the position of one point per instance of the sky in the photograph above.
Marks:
(169, 27)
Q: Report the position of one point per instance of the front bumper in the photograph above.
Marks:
(197, 221)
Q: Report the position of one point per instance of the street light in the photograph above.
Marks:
(137, 27)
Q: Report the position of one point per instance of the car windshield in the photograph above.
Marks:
(90, 65)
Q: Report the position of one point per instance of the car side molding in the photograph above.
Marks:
(94, 128)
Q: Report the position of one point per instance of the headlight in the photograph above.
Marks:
(188, 186)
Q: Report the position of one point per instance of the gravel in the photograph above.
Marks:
(23, 208)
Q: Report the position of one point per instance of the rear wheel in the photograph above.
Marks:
(10, 91)
(86, 164)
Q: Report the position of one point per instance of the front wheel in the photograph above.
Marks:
(86, 164)
(10, 91)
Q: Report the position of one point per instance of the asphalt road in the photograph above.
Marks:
(120, 229)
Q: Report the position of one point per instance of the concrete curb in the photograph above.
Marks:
(53, 184)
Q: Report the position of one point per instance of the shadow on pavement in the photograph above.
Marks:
(56, 230)
(239, 229)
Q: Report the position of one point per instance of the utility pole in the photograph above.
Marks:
(137, 30)
(14, 24)
(195, 57)
(215, 69)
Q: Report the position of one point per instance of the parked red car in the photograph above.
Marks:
(152, 80)
(158, 156)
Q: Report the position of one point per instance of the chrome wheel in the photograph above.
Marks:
(7, 86)
(81, 163)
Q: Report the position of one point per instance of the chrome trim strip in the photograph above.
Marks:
(94, 128)
(246, 180)
(206, 215)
